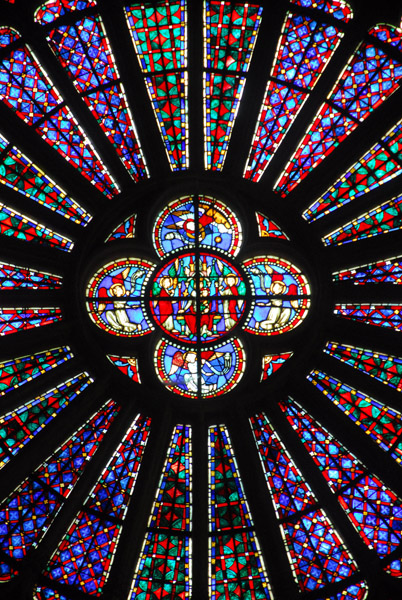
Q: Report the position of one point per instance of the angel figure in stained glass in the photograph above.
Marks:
(185, 367)
(118, 317)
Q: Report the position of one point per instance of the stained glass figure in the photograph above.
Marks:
(304, 50)
(159, 33)
(29, 511)
(211, 372)
(230, 33)
(125, 230)
(19, 173)
(237, 568)
(13, 276)
(17, 225)
(372, 507)
(381, 423)
(381, 315)
(272, 362)
(197, 220)
(83, 50)
(317, 554)
(282, 295)
(127, 365)
(115, 297)
(369, 78)
(382, 271)
(16, 372)
(198, 298)
(380, 164)
(13, 320)
(267, 228)
(29, 92)
(383, 367)
(382, 219)
(19, 426)
(164, 566)
(85, 554)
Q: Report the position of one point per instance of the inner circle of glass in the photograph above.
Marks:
(198, 297)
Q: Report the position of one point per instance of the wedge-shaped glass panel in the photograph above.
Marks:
(13, 320)
(13, 276)
(29, 92)
(381, 315)
(368, 79)
(382, 271)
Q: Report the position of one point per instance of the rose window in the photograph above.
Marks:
(199, 297)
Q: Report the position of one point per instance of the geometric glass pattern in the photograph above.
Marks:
(84, 556)
(164, 567)
(380, 315)
(386, 271)
(237, 568)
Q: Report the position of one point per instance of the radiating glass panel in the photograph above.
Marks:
(13, 276)
(17, 371)
(381, 271)
(382, 219)
(385, 368)
(159, 33)
(13, 320)
(381, 315)
(19, 426)
(382, 423)
(83, 50)
(230, 33)
(316, 553)
(26, 515)
(28, 91)
(85, 554)
(19, 173)
(368, 79)
(236, 568)
(304, 50)
(164, 566)
(372, 507)
(16, 225)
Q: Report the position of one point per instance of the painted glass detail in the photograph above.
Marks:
(125, 230)
(29, 92)
(27, 514)
(159, 34)
(381, 423)
(115, 297)
(369, 78)
(199, 220)
(198, 298)
(374, 509)
(17, 225)
(304, 50)
(18, 427)
(317, 554)
(267, 228)
(382, 219)
(17, 371)
(236, 565)
(164, 566)
(19, 173)
(282, 295)
(272, 362)
(83, 50)
(381, 315)
(85, 554)
(380, 164)
(230, 33)
(209, 372)
(13, 276)
(385, 368)
(127, 365)
(13, 320)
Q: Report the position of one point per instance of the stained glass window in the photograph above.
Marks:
(147, 318)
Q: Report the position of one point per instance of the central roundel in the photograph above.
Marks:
(198, 297)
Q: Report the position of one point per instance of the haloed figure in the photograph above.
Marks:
(277, 315)
(118, 317)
